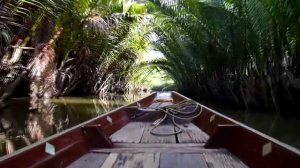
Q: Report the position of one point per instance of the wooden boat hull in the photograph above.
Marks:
(250, 146)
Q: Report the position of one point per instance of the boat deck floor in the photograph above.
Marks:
(139, 132)
(135, 147)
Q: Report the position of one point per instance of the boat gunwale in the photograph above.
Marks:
(52, 137)
(271, 139)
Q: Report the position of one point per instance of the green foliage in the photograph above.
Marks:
(102, 41)
(212, 46)
(94, 50)
(216, 46)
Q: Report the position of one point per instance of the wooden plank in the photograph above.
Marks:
(110, 161)
(132, 145)
(130, 133)
(180, 160)
(126, 160)
(89, 160)
(163, 104)
(191, 134)
(149, 138)
(223, 160)
(158, 149)
(154, 105)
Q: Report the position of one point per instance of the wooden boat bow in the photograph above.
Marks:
(122, 138)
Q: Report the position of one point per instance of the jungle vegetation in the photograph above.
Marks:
(63, 47)
(243, 53)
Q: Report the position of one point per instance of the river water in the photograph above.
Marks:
(286, 130)
(20, 127)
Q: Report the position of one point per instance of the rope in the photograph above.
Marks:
(177, 111)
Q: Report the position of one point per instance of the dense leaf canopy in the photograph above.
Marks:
(242, 52)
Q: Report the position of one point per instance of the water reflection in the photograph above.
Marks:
(286, 130)
(20, 127)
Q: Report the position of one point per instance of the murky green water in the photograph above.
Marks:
(20, 127)
(286, 130)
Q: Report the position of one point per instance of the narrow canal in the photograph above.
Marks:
(21, 127)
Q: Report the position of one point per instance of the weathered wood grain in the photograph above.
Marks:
(180, 160)
(223, 160)
(149, 138)
(130, 133)
(159, 149)
(177, 145)
(89, 160)
(191, 134)
(132, 160)
(110, 161)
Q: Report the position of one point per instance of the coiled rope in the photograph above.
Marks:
(181, 110)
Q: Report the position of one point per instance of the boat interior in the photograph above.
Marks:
(135, 146)
(124, 138)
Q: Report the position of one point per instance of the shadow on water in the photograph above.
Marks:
(20, 127)
(286, 130)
